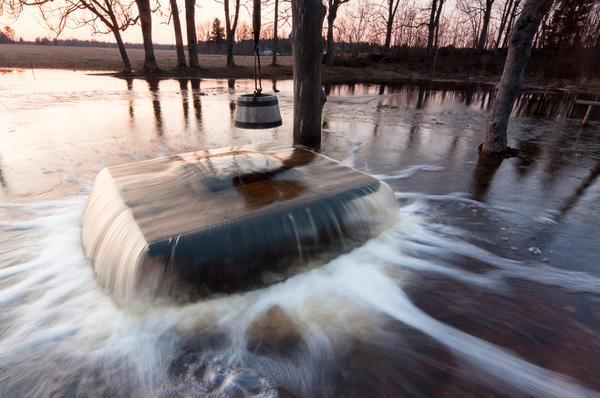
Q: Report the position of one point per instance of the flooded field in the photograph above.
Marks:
(487, 285)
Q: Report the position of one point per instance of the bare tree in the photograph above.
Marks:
(307, 43)
(266, 32)
(244, 31)
(471, 9)
(103, 16)
(355, 27)
(487, 13)
(408, 27)
(567, 21)
(332, 10)
(390, 7)
(506, 10)
(434, 23)
(178, 36)
(495, 139)
(190, 25)
(230, 28)
(509, 26)
(13, 8)
(204, 29)
(145, 12)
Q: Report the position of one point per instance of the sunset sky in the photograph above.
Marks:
(30, 24)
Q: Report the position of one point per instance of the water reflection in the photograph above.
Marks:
(183, 88)
(581, 190)
(552, 104)
(556, 159)
(529, 152)
(2, 179)
(421, 97)
(284, 182)
(232, 106)
(153, 87)
(483, 175)
(130, 94)
(196, 94)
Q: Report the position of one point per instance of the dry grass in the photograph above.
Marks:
(108, 59)
(101, 59)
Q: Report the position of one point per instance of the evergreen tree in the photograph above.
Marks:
(217, 33)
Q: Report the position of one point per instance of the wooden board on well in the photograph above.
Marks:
(224, 220)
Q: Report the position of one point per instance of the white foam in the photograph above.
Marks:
(408, 172)
(55, 313)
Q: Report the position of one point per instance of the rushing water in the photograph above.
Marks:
(225, 220)
(488, 284)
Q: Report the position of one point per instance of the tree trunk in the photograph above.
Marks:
(192, 41)
(114, 25)
(230, 44)
(495, 139)
(486, 24)
(146, 22)
(121, 46)
(388, 35)
(431, 27)
(228, 34)
(230, 28)
(331, 15)
(275, 38)
(437, 23)
(437, 36)
(178, 36)
(307, 45)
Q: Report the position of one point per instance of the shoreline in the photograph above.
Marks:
(212, 66)
(365, 75)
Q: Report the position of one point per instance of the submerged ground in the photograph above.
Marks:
(487, 286)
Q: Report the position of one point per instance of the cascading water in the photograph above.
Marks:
(226, 220)
(439, 304)
(63, 336)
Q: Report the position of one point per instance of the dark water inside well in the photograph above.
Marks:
(488, 285)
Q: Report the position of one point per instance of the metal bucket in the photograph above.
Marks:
(257, 111)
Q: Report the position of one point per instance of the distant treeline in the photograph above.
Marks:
(242, 47)
(545, 63)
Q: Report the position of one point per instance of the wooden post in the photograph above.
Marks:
(588, 112)
(307, 45)
(586, 118)
(519, 50)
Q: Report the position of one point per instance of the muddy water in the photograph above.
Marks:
(488, 285)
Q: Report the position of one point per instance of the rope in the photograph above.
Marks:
(257, 77)
(256, 29)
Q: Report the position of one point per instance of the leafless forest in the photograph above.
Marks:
(467, 33)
